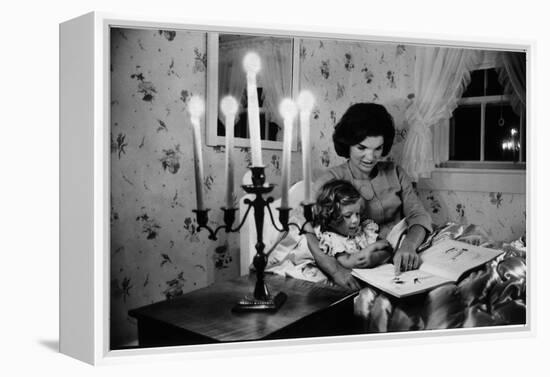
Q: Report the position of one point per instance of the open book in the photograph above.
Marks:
(442, 263)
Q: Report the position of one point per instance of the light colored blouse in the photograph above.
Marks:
(332, 243)
(388, 195)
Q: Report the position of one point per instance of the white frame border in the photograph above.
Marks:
(100, 352)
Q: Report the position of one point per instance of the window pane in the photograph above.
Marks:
(475, 88)
(276, 59)
(465, 133)
(241, 126)
(502, 133)
(493, 86)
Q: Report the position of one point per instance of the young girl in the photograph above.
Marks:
(341, 231)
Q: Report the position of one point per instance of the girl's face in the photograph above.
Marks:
(366, 154)
(350, 223)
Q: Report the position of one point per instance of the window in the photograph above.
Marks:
(269, 129)
(481, 148)
(277, 79)
(484, 131)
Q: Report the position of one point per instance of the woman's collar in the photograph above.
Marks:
(373, 173)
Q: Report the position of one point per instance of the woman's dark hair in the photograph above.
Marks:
(359, 121)
(331, 197)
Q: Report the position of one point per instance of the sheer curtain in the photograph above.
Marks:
(511, 69)
(232, 78)
(441, 75)
(275, 76)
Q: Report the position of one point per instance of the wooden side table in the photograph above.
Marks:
(205, 316)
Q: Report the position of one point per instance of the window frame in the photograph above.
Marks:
(441, 132)
(212, 101)
(474, 176)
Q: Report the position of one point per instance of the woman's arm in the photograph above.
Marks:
(406, 258)
(419, 221)
(329, 265)
(413, 209)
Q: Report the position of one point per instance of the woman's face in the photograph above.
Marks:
(366, 154)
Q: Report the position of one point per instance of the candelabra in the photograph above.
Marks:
(261, 299)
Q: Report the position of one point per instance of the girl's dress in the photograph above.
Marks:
(333, 243)
(388, 195)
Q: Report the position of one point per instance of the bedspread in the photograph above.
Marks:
(492, 295)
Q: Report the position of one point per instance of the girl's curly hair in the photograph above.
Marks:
(331, 197)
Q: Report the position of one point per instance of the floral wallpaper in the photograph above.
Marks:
(156, 251)
(344, 72)
(340, 73)
(501, 215)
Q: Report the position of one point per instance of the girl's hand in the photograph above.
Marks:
(371, 256)
(375, 254)
(363, 258)
(406, 259)
(378, 245)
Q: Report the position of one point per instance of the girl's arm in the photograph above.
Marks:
(329, 265)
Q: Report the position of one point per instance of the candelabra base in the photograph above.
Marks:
(271, 304)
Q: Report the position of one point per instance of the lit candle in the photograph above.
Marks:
(196, 109)
(305, 104)
(252, 66)
(229, 107)
(288, 111)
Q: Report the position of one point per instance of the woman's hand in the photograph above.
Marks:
(406, 259)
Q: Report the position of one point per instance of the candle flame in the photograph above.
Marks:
(196, 107)
(306, 101)
(288, 109)
(229, 106)
(252, 63)
(513, 131)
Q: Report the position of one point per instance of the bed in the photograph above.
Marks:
(493, 295)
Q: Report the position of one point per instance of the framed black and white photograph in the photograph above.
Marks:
(248, 187)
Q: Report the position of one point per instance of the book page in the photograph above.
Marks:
(450, 259)
(405, 284)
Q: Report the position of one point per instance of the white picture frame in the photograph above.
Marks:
(84, 190)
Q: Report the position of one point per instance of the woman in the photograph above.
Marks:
(363, 136)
